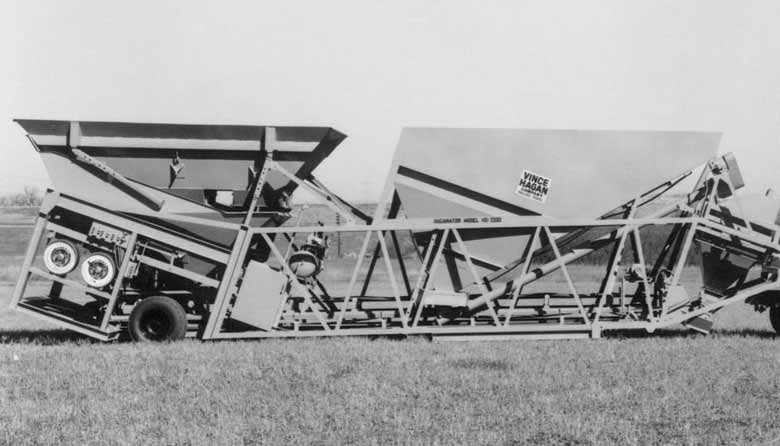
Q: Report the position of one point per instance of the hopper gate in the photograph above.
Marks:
(163, 231)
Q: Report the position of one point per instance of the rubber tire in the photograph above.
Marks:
(157, 319)
(108, 262)
(73, 261)
(774, 318)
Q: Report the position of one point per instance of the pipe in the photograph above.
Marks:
(508, 287)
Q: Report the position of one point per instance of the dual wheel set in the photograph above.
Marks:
(153, 319)
(98, 269)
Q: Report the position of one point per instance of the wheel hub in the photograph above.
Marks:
(60, 257)
(98, 269)
(156, 325)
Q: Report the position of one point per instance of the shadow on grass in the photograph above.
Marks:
(481, 364)
(58, 336)
(681, 333)
(44, 337)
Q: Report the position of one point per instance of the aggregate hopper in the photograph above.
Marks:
(175, 174)
(475, 174)
(191, 186)
(166, 231)
(577, 182)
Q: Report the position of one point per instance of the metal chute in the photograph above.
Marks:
(156, 171)
(488, 173)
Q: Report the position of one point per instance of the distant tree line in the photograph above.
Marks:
(30, 196)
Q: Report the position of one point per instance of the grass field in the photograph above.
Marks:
(675, 388)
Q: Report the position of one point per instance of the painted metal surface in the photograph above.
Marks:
(197, 171)
(248, 289)
(589, 171)
(484, 173)
(261, 298)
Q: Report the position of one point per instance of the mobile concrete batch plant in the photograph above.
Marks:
(164, 231)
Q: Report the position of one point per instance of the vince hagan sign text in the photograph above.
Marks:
(533, 186)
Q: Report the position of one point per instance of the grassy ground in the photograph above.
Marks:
(676, 388)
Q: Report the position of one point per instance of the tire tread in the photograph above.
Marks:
(174, 309)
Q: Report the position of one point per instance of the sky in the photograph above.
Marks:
(369, 68)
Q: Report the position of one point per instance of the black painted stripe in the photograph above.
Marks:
(465, 192)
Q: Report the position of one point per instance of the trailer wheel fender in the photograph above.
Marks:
(98, 270)
(774, 317)
(60, 257)
(157, 319)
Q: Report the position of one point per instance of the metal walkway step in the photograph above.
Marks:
(63, 313)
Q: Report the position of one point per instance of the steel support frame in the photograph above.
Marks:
(103, 329)
(628, 227)
(409, 316)
(416, 299)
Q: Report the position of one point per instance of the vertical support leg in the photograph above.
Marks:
(370, 272)
(422, 277)
(401, 263)
(526, 266)
(566, 275)
(259, 183)
(395, 206)
(609, 281)
(641, 256)
(617, 253)
(120, 277)
(391, 274)
(290, 246)
(683, 252)
(434, 268)
(608, 284)
(226, 285)
(672, 240)
(452, 267)
(29, 257)
(683, 255)
(473, 271)
(241, 244)
(353, 279)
